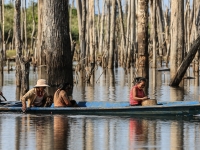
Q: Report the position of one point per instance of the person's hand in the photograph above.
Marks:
(23, 108)
(145, 98)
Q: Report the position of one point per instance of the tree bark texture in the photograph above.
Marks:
(167, 36)
(18, 44)
(143, 66)
(185, 64)
(3, 27)
(91, 33)
(132, 34)
(1, 38)
(41, 58)
(1, 11)
(22, 65)
(160, 27)
(33, 31)
(177, 36)
(101, 34)
(83, 32)
(195, 34)
(57, 42)
(112, 36)
(154, 64)
(123, 41)
(79, 11)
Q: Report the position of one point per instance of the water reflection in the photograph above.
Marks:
(137, 132)
(60, 130)
(23, 131)
(109, 85)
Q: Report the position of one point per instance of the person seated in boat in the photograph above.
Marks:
(137, 94)
(37, 97)
(61, 98)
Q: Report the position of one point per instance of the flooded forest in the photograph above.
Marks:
(67, 40)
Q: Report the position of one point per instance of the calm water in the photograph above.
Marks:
(25, 131)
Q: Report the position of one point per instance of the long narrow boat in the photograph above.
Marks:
(110, 108)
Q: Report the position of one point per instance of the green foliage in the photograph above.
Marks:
(74, 24)
(74, 12)
(9, 21)
(29, 19)
(10, 53)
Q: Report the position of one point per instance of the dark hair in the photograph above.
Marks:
(63, 86)
(139, 79)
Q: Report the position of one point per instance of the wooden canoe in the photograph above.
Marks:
(110, 108)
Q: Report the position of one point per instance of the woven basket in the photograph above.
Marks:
(149, 102)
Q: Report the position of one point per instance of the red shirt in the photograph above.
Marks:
(139, 93)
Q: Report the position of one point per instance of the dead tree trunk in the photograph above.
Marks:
(97, 29)
(167, 37)
(79, 11)
(101, 34)
(41, 59)
(25, 32)
(133, 32)
(112, 36)
(83, 34)
(177, 36)
(185, 64)
(160, 28)
(143, 67)
(1, 41)
(57, 42)
(91, 33)
(123, 41)
(196, 8)
(33, 60)
(18, 44)
(127, 46)
(22, 65)
(153, 31)
(3, 26)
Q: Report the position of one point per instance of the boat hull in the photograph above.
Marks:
(112, 108)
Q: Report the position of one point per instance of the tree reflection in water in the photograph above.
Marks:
(24, 131)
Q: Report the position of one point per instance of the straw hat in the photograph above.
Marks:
(41, 83)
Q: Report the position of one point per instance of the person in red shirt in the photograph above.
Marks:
(137, 94)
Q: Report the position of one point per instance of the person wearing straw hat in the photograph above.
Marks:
(36, 97)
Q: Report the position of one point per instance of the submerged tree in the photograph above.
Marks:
(142, 35)
(22, 62)
(55, 41)
(112, 36)
(177, 36)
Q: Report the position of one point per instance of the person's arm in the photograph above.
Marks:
(138, 98)
(66, 99)
(24, 99)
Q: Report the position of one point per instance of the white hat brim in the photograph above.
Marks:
(41, 86)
